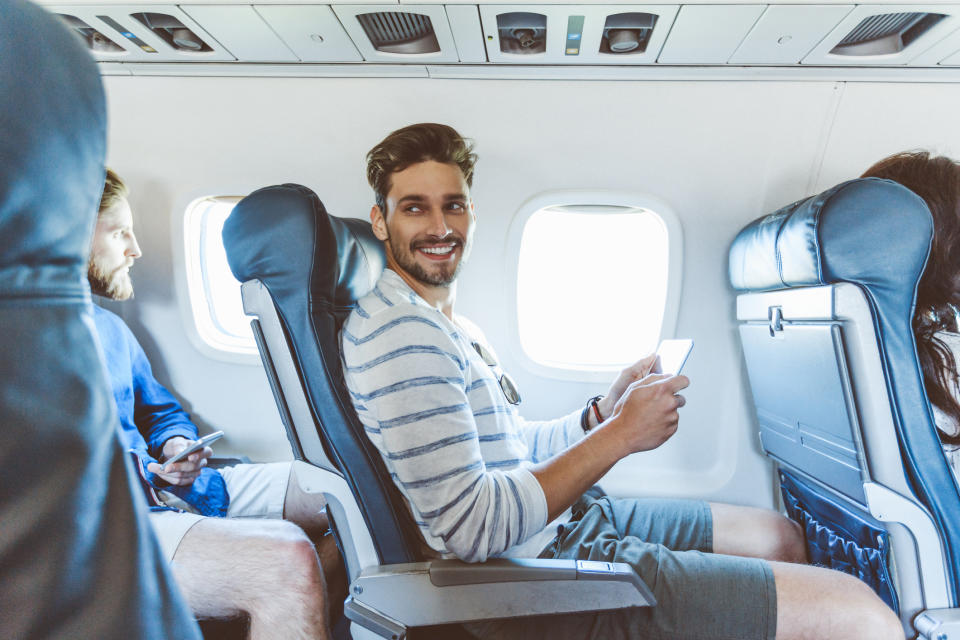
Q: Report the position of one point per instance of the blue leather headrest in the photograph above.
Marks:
(835, 236)
(53, 119)
(876, 234)
(286, 217)
(316, 266)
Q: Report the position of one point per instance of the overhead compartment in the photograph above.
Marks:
(575, 34)
(784, 34)
(467, 32)
(312, 32)
(141, 33)
(885, 35)
(708, 34)
(242, 31)
(395, 33)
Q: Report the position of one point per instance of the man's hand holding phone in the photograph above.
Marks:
(645, 397)
(183, 459)
(670, 357)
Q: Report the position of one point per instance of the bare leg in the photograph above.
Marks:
(756, 533)
(307, 511)
(815, 603)
(267, 568)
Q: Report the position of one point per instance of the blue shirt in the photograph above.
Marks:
(149, 415)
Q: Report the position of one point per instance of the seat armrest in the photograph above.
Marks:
(938, 624)
(390, 598)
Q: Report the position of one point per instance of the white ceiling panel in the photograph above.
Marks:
(312, 32)
(708, 34)
(785, 34)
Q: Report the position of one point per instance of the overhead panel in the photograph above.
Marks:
(953, 60)
(945, 53)
(102, 46)
(242, 31)
(575, 34)
(312, 32)
(708, 34)
(467, 32)
(885, 35)
(145, 33)
(784, 34)
(394, 33)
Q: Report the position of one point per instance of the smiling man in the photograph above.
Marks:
(481, 482)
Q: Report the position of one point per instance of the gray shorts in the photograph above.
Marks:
(700, 595)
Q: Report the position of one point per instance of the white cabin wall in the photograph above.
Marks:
(719, 153)
(874, 121)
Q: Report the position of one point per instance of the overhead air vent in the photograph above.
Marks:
(627, 32)
(173, 32)
(397, 32)
(885, 34)
(522, 32)
(94, 40)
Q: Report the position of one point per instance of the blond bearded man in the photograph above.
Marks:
(235, 536)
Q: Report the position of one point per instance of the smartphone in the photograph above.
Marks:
(672, 355)
(193, 448)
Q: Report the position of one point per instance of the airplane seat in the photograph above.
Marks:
(78, 558)
(302, 272)
(828, 290)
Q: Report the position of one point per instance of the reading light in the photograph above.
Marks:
(623, 40)
(183, 38)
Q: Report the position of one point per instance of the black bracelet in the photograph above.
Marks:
(584, 419)
(585, 414)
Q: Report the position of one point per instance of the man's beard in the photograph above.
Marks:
(116, 286)
(442, 277)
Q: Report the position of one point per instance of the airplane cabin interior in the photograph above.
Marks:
(645, 172)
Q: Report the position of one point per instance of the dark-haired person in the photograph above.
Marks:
(482, 482)
(936, 321)
(223, 530)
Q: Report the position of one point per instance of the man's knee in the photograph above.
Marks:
(291, 551)
(873, 615)
(788, 540)
(823, 603)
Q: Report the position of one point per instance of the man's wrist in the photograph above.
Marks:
(606, 404)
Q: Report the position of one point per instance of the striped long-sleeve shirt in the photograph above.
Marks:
(453, 445)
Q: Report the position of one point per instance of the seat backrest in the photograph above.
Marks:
(830, 286)
(77, 556)
(315, 267)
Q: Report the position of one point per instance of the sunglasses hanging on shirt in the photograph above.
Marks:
(507, 385)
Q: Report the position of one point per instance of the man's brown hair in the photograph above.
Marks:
(114, 190)
(413, 144)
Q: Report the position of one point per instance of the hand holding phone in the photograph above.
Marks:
(197, 445)
(672, 355)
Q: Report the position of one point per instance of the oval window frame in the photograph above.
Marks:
(583, 200)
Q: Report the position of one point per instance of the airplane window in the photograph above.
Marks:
(214, 292)
(592, 284)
